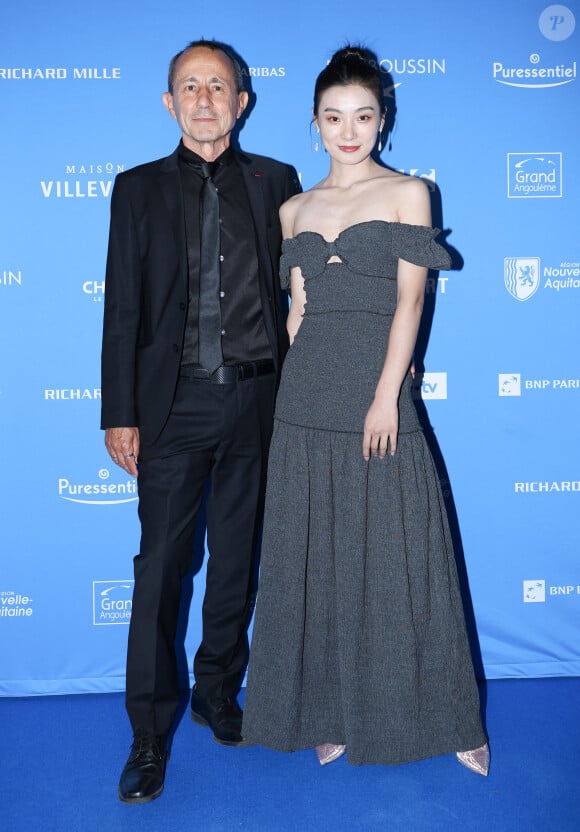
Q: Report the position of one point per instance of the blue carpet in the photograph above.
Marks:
(60, 759)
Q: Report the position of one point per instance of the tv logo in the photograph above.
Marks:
(521, 276)
(509, 384)
(434, 386)
(534, 592)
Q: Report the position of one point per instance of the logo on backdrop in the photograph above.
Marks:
(521, 276)
(59, 73)
(510, 384)
(413, 66)
(71, 394)
(436, 285)
(103, 493)
(264, 71)
(557, 22)
(433, 386)
(82, 181)
(112, 602)
(95, 289)
(547, 487)
(564, 276)
(534, 76)
(534, 175)
(10, 278)
(534, 592)
(14, 605)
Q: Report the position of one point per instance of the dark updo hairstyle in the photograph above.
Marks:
(351, 65)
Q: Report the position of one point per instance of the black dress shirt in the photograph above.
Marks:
(244, 337)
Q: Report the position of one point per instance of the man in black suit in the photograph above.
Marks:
(193, 341)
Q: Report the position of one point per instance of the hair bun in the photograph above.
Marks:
(353, 64)
(353, 51)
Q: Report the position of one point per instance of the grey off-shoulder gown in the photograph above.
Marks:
(359, 636)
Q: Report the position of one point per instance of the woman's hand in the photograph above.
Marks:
(380, 429)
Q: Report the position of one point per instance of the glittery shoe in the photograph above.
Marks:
(476, 760)
(328, 752)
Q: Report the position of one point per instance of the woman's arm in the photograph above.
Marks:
(297, 293)
(382, 420)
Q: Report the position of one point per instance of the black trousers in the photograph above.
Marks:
(220, 432)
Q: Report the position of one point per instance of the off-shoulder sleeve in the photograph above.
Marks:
(309, 251)
(416, 243)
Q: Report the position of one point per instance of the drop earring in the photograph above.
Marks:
(316, 145)
(380, 143)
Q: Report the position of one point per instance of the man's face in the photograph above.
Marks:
(205, 102)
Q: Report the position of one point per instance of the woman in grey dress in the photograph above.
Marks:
(359, 638)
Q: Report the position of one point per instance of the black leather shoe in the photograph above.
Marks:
(223, 716)
(143, 777)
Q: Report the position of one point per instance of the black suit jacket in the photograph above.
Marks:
(146, 284)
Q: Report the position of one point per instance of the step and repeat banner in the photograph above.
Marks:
(487, 106)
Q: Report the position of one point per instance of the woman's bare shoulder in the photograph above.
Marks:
(292, 205)
(409, 195)
(290, 210)
(396, 179)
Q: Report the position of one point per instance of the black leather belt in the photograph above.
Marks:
(229, 375)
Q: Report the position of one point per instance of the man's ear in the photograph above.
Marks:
(243, 99)
(167, 99)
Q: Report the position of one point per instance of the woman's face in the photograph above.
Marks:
(349, 119)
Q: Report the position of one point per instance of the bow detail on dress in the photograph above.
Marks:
(366, 248)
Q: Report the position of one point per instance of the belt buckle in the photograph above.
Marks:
(224, 375)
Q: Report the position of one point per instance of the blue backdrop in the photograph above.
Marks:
(487, 111)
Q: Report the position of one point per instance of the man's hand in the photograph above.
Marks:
(123, 447)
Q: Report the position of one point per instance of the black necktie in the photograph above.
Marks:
(210, 326)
